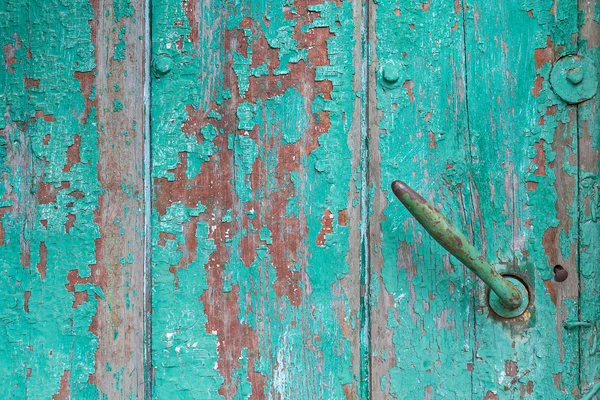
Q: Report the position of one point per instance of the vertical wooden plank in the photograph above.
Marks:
(256, 155)
(118, 80)
(524, 152)
(589, 222)
(422, 315)
(71, 199)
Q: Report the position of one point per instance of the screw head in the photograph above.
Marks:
(390, 74)
(575, 76)
(162, 65)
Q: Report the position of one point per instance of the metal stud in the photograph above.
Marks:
(574, 79)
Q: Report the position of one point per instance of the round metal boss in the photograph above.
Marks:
(574, 79)
(505, 312)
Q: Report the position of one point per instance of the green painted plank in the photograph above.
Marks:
(70, 201)
(422, 319)
(524, 168)
(589, 207)
(255, 164)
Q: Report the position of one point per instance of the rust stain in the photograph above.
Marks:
(526, 389)
(432, 141)
(537, 86)
(31, 83)
(326, 227)
(9, 56)
(164, 236)
(188, 250)
(511, 368)
(564, 183)
(25, 254)
(350, 391)
(540, 158)
(73, 153)
(46, 192)
(491, 396)
(189, 7)
(409, 85)
(233, 336)
(73, 279)
(64, 391)
(544, 55)
(343, 217)
(46, 118)
(457, 6)
(551, 110)
(531, 186)
(557, 378)
(26, 296)
(42, 264)
(86, 82)
(551, 290)
(70, 222)
(80, 298)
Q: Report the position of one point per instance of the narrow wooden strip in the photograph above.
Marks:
(589, 206)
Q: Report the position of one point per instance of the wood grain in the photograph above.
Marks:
(588, 117)
(524, 178)
(422, 314)
(71, 199)
(282, 266)
(256, 212)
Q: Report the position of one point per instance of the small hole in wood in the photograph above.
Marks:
(560, 274)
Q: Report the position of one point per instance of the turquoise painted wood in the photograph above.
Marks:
(474, 125)
(71, 199)
(195, 198)
(256, 215)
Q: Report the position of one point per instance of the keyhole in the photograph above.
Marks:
(560, 274)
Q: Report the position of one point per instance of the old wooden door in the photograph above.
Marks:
(196, 204)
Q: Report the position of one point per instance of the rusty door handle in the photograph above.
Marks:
(509, 300)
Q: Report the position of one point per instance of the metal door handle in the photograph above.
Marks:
(510, 297)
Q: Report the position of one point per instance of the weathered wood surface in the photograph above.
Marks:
(589, 205)
(282, 266)
(473, 123)
(524, 177)
(422, 309)
(256, 151)
(71, 199)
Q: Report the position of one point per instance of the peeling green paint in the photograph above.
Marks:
(42, 255)
(421, 299)
(260, 145)
(536, 192)
(252, 132)
(469, 114)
